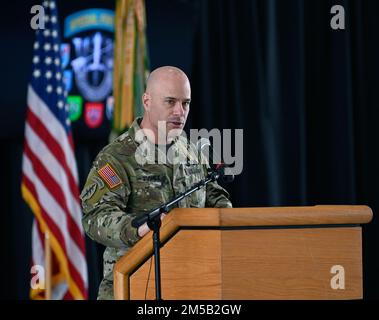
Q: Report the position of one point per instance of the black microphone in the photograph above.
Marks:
(218, 166)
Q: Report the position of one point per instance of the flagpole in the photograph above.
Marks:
(48, 270)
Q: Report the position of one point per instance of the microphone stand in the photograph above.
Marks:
(153, 220)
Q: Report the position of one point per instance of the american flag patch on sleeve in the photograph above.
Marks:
(109, 176)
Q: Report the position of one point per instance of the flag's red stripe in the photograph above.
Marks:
(56, 192)
(77, 277)
(41, 236)
(71, 142)
(54, 147)
(68, 296)
(58, 235)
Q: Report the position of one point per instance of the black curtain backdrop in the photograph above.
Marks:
(306, 97)
(304, 94)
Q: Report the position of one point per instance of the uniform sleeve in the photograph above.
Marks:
(217, 197)
(104, 201)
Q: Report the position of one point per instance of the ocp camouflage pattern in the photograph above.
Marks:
(108, 211)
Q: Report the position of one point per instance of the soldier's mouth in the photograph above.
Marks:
(177, 123)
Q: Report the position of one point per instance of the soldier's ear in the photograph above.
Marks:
(146, 101)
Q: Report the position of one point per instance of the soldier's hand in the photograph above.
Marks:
(142, 230)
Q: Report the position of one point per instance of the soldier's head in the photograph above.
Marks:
(167, 98)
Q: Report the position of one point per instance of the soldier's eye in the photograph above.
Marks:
(171, 102)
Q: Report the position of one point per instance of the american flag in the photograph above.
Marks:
(49, 172)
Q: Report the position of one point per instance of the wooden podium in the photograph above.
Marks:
(250, 253)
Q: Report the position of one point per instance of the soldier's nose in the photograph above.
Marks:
(178, 109)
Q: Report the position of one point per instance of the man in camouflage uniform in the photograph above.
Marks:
(120, 186)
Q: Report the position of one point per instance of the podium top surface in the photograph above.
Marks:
(272, 216)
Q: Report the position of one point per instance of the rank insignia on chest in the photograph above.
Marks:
(109, 175)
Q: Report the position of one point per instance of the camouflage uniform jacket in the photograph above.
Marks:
(119, 188)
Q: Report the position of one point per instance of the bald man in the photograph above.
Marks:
(125, 181)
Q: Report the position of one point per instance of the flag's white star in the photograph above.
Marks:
(53, 19)
(48, 60)
(46, 33)
(68, 122)
(58, 76)
(56, 47)
(46, 18)
(54, 33)
(60, 104)
(47, 46)
(57, 61)
(59, 90)
(46, 4)
(36, 73)
(52, 5)
(49, 88)
(48, 74)
(36, 45)
(35, 59)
